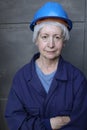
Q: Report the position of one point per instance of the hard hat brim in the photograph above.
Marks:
(68, 21)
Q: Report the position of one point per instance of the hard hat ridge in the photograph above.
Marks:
(51, 10)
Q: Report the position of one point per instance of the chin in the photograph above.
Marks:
(51, 57)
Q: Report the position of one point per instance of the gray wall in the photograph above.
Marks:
(16, 47)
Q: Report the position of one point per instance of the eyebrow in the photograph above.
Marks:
(49, 34)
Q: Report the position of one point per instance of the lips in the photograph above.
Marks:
(51, 51)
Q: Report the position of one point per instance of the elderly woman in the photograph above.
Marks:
(48, 93)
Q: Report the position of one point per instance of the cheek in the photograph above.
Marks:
(40, 44)
(60, 46)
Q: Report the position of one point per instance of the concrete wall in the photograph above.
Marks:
(16, 47)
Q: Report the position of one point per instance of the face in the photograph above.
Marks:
(50, 42)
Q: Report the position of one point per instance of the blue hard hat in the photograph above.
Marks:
(51, 10)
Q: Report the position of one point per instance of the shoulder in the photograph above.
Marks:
(76, 77)
(23, 73)
(28, 69)
(73, 71)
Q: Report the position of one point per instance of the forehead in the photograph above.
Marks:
(51, 29)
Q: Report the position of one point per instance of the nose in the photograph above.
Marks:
(51, 43)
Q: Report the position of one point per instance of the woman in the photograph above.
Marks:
(48, 93)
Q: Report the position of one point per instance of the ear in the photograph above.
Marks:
(36, 42)
(64, 44)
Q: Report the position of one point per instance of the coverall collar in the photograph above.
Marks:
(61, 73)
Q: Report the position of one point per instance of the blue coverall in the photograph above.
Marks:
(29, 107)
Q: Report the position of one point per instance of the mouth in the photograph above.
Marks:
(51, 51)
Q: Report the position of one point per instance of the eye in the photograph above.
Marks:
(44, 37)
(57, 37)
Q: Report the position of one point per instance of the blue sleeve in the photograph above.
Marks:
(18, 119)
(79, 112)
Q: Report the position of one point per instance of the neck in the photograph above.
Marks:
(47, 66)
